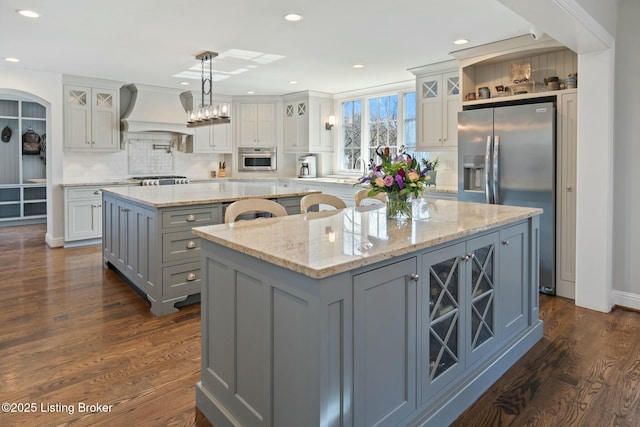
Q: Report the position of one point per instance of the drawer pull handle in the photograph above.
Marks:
(191, 218)
(191, 245)
(505, 242)
(191, 277)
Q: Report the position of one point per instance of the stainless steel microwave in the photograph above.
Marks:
(256, 159)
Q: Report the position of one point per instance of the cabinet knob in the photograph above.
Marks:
(97, 192)
(191, 245)
(569, 188)
(505, 242)
(414, 277)
(191, 218)
(191, 277)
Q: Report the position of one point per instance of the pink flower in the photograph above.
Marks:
(388, 181)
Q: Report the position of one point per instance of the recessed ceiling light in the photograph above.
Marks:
(358, 66)
(10, 59)
(28, 13)
(184, 83)
(251, 92)
(293, 17)
(461, 41)
(293, 82)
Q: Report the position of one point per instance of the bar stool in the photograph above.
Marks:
(245, 206)
(320, 199)
(363, 196)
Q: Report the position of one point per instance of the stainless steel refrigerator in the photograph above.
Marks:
(506, 155)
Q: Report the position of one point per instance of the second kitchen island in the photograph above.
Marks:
(350, 319)
(147, 233)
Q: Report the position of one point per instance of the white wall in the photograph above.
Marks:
(626, 196)
(47, 88)
(594, 201)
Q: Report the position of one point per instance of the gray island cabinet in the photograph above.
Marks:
(147, 233)
(346, 318)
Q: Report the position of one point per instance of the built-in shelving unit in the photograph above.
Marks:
(23, 195)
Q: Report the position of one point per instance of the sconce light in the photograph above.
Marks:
(329, 125)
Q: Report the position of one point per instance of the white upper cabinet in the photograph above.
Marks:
(304, 124)
(91, 118)
(211, 139)
(438, 99)
(257, 125)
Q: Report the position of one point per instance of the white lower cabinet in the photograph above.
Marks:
(83, 213)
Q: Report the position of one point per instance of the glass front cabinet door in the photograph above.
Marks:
(459, 310)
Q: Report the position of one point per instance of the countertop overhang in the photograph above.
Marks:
(201, 193)
(326, 243)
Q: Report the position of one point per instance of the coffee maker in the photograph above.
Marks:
(307, 166)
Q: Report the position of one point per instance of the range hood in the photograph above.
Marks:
(152, 109)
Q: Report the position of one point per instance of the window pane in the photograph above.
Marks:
(351, 111)
(409, 136)
(409, 105)
(374, 114)
(393, 107)
(384, 108)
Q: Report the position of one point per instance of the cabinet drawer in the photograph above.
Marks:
(84, 193)
(180, 245)
(194, 217)
(181, 280)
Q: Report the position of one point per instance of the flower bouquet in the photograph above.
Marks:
(400, 178)
(429, 169)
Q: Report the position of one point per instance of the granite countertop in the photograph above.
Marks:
(350, 181)
(326, 243)
(123, 181)
(160, 196)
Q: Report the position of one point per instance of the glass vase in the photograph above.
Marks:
(398, 206)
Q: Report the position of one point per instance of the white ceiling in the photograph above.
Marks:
(149, 42)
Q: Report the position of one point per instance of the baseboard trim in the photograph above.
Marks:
(53, 242)
(626, 299)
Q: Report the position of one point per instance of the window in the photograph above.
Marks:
(351, 129)
(410, 121)
(383, 124)
(390, 121)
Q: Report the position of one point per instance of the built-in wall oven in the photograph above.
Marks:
(256, 159)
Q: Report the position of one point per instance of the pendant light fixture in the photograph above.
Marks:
(207, 114)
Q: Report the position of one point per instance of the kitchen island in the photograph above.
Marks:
(147, 233)
(347, 318)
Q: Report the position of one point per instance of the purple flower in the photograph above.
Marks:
(388, 181)
(400, 181)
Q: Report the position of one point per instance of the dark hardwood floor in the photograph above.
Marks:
(72, 331)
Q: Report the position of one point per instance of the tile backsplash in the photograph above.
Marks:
(153, 155)
(140, 158)
(447, 168)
